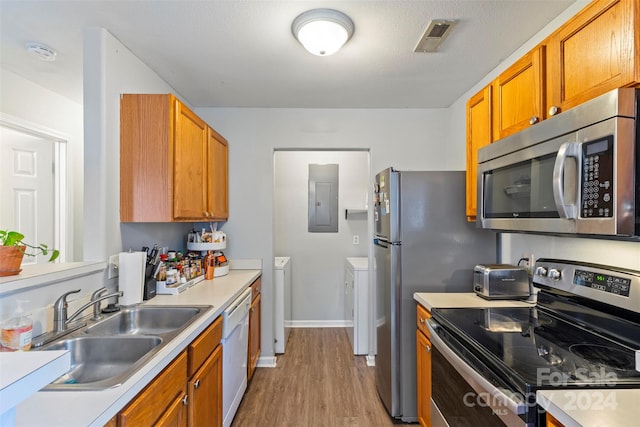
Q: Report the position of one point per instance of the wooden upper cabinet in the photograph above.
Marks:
(519, 95)
(479, 112)
(218, 194)
(165, 162)
(596, 51)
(190, 177)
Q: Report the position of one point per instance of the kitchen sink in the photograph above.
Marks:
(150, 320)
(102, 362)
(106, 353)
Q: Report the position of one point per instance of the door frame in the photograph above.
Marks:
(60, 176)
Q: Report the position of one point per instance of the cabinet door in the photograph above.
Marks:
(478, 135)
(218, 185)
(519, 100)
(423, 380)
(175, 415)
(159, 398)
(205, 391)
(254, 336)
(190, 165)
(594, 52)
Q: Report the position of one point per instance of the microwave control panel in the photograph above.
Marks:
(596, 192)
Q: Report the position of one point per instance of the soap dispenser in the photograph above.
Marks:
(17, 331)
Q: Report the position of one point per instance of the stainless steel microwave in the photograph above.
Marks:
(575, 173)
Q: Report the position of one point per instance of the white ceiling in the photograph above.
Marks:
(241, 53)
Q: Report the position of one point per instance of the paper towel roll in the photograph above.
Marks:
(131, 276)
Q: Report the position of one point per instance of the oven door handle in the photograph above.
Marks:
(501, 397)
(567, 149)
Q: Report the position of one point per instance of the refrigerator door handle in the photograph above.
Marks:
(380, 242)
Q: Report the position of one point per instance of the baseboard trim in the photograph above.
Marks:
(318, 324)
(267, 362)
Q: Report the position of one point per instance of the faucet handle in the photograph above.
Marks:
(98, 293)
(62, 301)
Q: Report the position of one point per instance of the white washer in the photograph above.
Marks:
(356, 303)
(235, 351)
(282, 320)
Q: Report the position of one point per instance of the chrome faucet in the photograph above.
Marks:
(96, 303)
(60, 319)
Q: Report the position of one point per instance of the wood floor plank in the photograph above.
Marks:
(317, 383)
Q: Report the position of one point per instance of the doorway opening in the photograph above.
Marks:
(318, 258)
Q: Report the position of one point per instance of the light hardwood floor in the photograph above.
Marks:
(318, 382)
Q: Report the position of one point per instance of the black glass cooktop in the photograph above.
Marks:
(534, 349)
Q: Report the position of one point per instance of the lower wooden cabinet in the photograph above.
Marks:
(423, 372)
(254, 328)
(163, 401)
(552, 421)
(188, 392)
(175, 415)
(423, 367)
(205, 392)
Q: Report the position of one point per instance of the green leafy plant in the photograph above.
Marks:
(14, 238)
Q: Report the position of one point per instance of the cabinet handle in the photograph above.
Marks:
(185, 400)
(428, 348)
(422, 320)
(196, 385)
(533, 120)
(553, 110)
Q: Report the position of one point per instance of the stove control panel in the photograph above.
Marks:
(602, 282)
(616, 286)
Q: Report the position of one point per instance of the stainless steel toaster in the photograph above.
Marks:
(500, 281)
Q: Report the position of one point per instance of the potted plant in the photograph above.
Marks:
(13, 249)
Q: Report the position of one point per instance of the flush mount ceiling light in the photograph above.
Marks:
(43, 52)
(322, 31)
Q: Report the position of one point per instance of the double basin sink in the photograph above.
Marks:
(107, 353)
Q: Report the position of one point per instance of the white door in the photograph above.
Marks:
(27, 187)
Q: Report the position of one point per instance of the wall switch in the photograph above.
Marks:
(114, 263)
(356, 240)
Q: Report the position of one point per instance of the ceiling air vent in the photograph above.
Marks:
(437, 31)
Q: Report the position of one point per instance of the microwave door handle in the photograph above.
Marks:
(567, 149)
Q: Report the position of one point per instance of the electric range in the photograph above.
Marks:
(582, 333)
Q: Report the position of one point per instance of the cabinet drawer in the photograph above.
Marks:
(151, 403)
(202, 346)
(422, 316)
(256, 287)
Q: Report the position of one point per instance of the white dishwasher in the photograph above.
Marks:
(235, 348)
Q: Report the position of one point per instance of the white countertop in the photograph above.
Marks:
(23, 373)
(592, 407)
(96, 408)
(462, 300)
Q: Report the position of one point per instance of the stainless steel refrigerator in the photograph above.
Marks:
(423, 243)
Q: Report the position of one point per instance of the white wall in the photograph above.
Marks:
(22, 99)
(317, 259)
(110, 69)
(406, 139)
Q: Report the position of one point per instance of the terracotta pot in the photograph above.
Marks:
(10, 260)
